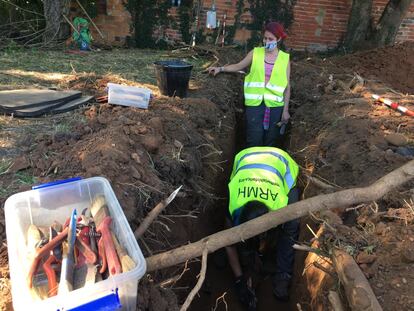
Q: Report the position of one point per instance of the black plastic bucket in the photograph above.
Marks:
(173, 77)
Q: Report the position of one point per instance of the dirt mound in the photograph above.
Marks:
(390, 65)
(343, 139)
(5, 286)
(338, 132)
(145, 154)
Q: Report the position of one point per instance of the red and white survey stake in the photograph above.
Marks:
(394, 105)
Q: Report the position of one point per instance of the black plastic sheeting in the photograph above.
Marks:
(36, 102)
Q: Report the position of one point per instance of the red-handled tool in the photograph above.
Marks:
(87, 255)
(103, 221)
(43, 252)
(55, 257)
(86, 271)
(393, 105)
(101, 250)
(112, 259)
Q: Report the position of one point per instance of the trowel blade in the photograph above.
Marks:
(172, 195)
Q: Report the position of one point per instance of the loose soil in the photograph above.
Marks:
(337, 135)
(340, 136)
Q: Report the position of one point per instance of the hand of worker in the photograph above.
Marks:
(245, 293)
(285, 116)
(214, 70)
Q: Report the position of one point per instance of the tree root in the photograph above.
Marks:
(200, 281)
(270, 220)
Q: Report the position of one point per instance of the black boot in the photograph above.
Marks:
(281, 288)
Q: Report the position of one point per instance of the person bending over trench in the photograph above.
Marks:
(263, 179)
(266, 88)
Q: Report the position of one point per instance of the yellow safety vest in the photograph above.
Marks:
(264, 174)
(255, 89)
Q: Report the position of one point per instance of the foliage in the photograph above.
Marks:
(12, 47)
(231, 30)
(90, 7)
(18, 10)
(147, 15)
(184, 13)
(20, 21)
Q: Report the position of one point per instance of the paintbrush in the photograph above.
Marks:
(34, 238)
(126, 261)
(102, 218)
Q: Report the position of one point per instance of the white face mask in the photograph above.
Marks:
(270, 46)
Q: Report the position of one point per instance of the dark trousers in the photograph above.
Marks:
(256, 135)
(286, 235)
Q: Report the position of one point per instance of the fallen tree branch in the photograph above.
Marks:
(270, 220)
(306, 249)
(200, 281)
(320, 183)
(154, 213)
(358, 291)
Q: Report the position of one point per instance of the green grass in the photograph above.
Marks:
(4, 166)
(131, 64)
(369, 249)
(63, 128)
(24, 178)
(7, 188)
(4, 192)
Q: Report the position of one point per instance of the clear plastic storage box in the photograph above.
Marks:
(56, 201)
(125, 95)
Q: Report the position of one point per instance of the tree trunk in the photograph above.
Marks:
(389, 23)
(358, 24)
(56, 29)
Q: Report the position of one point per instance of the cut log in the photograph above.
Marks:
(270, 220)
(335, 301)
(357, 289)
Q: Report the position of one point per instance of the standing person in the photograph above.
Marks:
(263, 179)
(266, 87)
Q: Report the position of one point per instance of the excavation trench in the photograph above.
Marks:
(217, 292)
(339, 138)
(337, 134)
